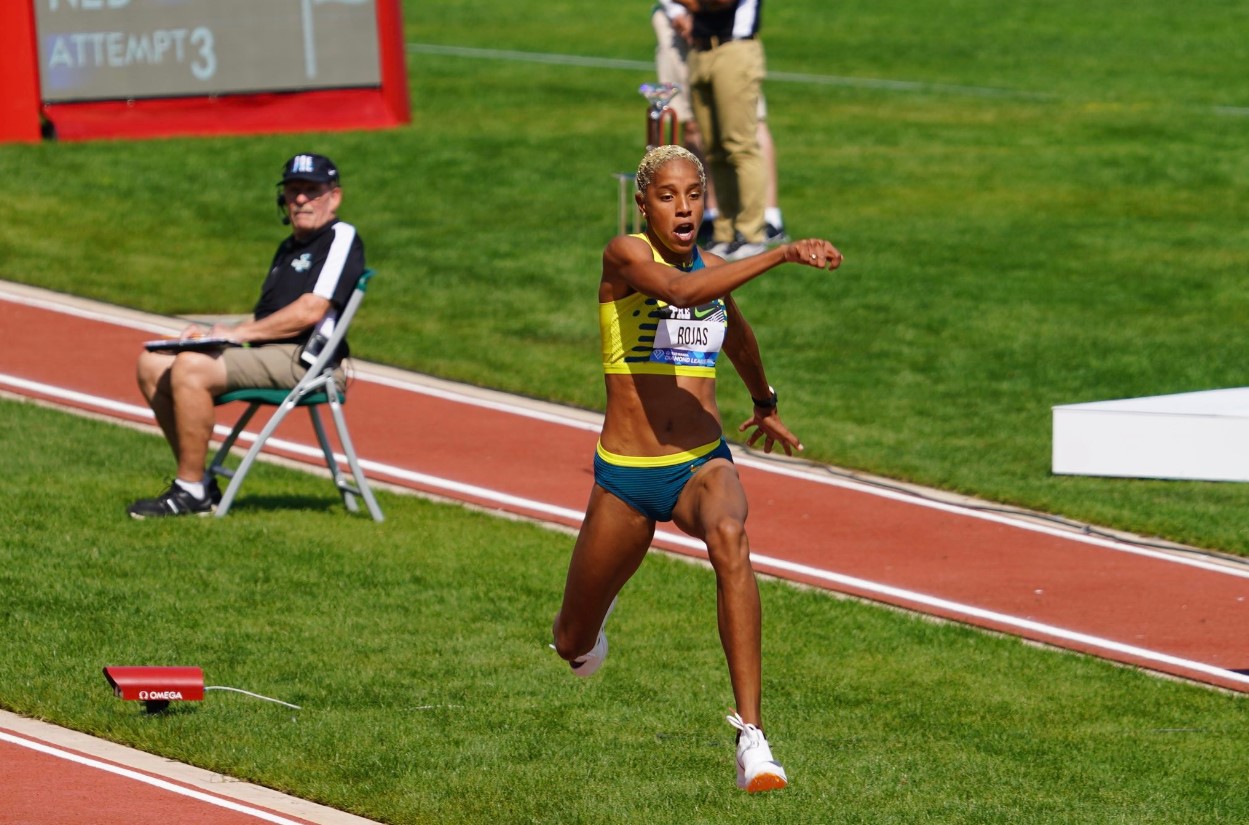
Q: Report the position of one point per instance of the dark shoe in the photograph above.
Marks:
(173, 502)
(213, 491)
(742, 249)
(775, 235)
(726, 248)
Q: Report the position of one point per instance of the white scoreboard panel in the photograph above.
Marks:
(132, 49)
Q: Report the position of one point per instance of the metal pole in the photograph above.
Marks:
(622, 195)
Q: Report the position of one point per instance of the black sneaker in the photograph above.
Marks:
(213, 491)
(775, 235)
(173, 502)
(744, 249)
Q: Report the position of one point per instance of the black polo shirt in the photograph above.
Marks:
(741, 22)
(327, 264)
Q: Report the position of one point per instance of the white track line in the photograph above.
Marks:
(488, 401)
(649, 66)
(81, 308)
(127, 773)
(970, 613)
(803, 78)
(26, 386)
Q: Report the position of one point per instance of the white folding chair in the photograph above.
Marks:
(317, 387)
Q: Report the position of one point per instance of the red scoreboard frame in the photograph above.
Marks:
(26, 117)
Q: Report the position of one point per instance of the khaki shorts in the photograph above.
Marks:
(269, 366)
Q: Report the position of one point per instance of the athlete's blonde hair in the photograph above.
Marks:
(659, 157)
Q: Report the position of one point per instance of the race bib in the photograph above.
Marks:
(700, 336)
(690, 337)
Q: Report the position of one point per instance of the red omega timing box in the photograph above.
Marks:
(157, 686)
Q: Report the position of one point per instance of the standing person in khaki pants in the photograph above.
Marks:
(726, 66)
(672, 24)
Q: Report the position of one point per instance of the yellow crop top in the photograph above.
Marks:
(643, 335)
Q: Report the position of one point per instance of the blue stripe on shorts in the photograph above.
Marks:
(652, 491)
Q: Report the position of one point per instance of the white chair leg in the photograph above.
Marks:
(331, 463)
(217, 467)
(362, 484)
(236, 481)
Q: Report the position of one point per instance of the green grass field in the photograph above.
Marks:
(417, 651)
(1038, 205)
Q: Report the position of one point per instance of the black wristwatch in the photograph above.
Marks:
(768, 403)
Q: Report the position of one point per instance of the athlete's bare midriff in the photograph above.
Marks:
(654, 415)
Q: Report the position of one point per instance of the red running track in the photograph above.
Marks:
(52, 776)
(1181, 614)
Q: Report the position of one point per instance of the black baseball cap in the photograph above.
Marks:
(316, 168)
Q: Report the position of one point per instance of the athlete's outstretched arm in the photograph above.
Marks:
(629, 261)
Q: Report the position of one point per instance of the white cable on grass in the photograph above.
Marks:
(254, 695)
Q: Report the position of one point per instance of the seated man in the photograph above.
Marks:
(310, 280)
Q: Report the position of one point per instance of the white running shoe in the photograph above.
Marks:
(589, 664)
(756, 769)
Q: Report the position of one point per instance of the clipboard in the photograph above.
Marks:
(189, 344)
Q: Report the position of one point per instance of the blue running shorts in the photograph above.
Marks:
(652, 484)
